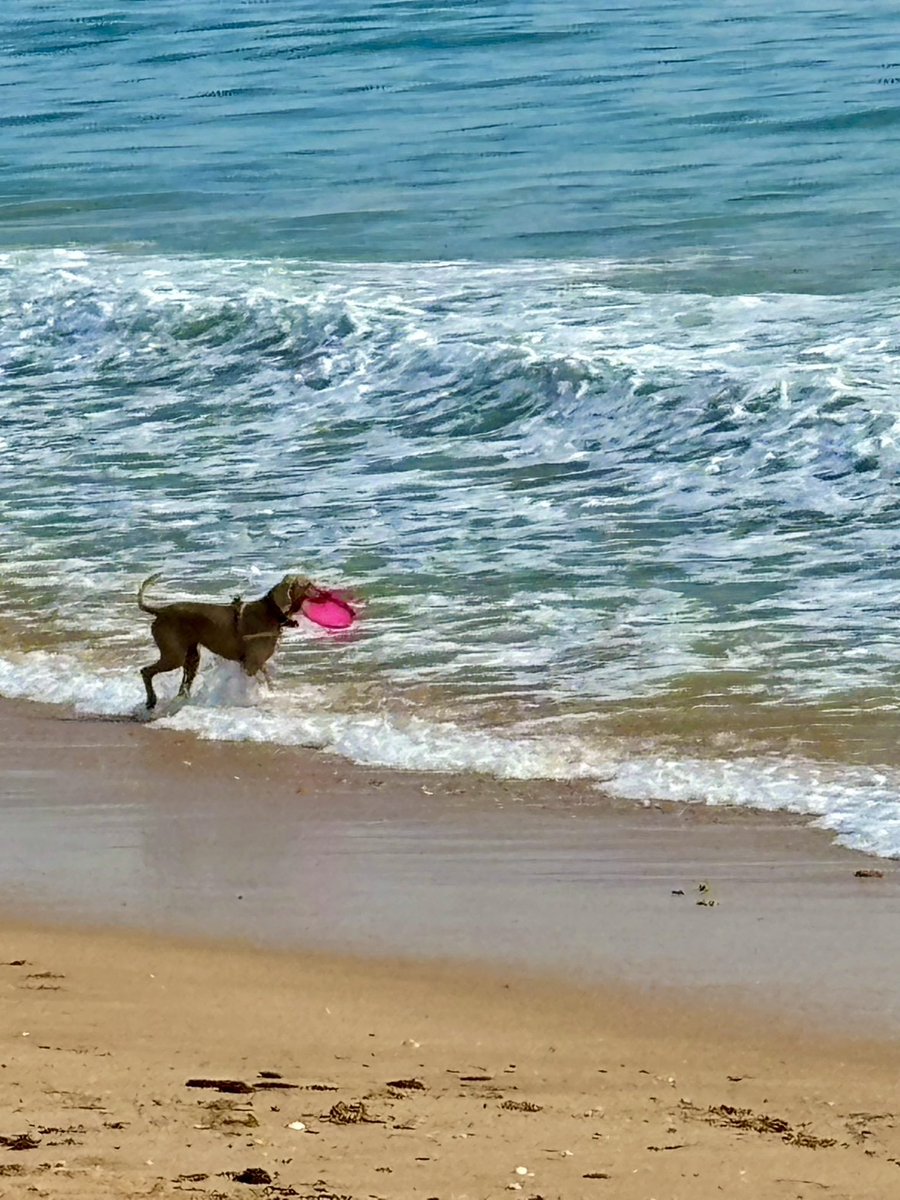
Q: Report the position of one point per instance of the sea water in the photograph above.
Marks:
(570, 340)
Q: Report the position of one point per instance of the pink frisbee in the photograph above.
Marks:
(328, 611)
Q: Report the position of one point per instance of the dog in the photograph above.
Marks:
(245, 633)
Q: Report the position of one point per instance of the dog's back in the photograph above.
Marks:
(192, 623)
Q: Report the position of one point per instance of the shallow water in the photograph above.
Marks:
(568, 340)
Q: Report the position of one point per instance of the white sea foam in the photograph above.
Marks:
(860, 805)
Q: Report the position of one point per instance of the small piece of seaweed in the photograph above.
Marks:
(221, 1085)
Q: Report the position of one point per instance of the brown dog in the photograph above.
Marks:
(244, 633)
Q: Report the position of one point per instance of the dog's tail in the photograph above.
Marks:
(148, 582)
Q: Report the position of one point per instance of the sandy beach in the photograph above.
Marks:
(408, 1081)
(558, 343)
(459, 988)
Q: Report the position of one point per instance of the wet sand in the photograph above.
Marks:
(118, 824)
(458, 988)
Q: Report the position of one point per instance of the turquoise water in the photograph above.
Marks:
(569, 339)
(398, 131)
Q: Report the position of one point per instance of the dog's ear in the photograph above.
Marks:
(281, 593)
(290, 593)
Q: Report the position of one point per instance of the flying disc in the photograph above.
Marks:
(328, 611)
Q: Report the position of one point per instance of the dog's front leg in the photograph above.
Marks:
(258, 649)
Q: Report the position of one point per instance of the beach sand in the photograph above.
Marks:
(444, 980)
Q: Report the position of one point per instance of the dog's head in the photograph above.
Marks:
(291, 592)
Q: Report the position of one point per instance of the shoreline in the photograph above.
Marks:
(115, 824)
(332, 982)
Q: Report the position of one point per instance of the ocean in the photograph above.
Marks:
(569, 340)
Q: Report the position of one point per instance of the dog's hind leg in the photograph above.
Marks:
(191, 663)
(161, 665)
(147, 674)
(171, 657)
